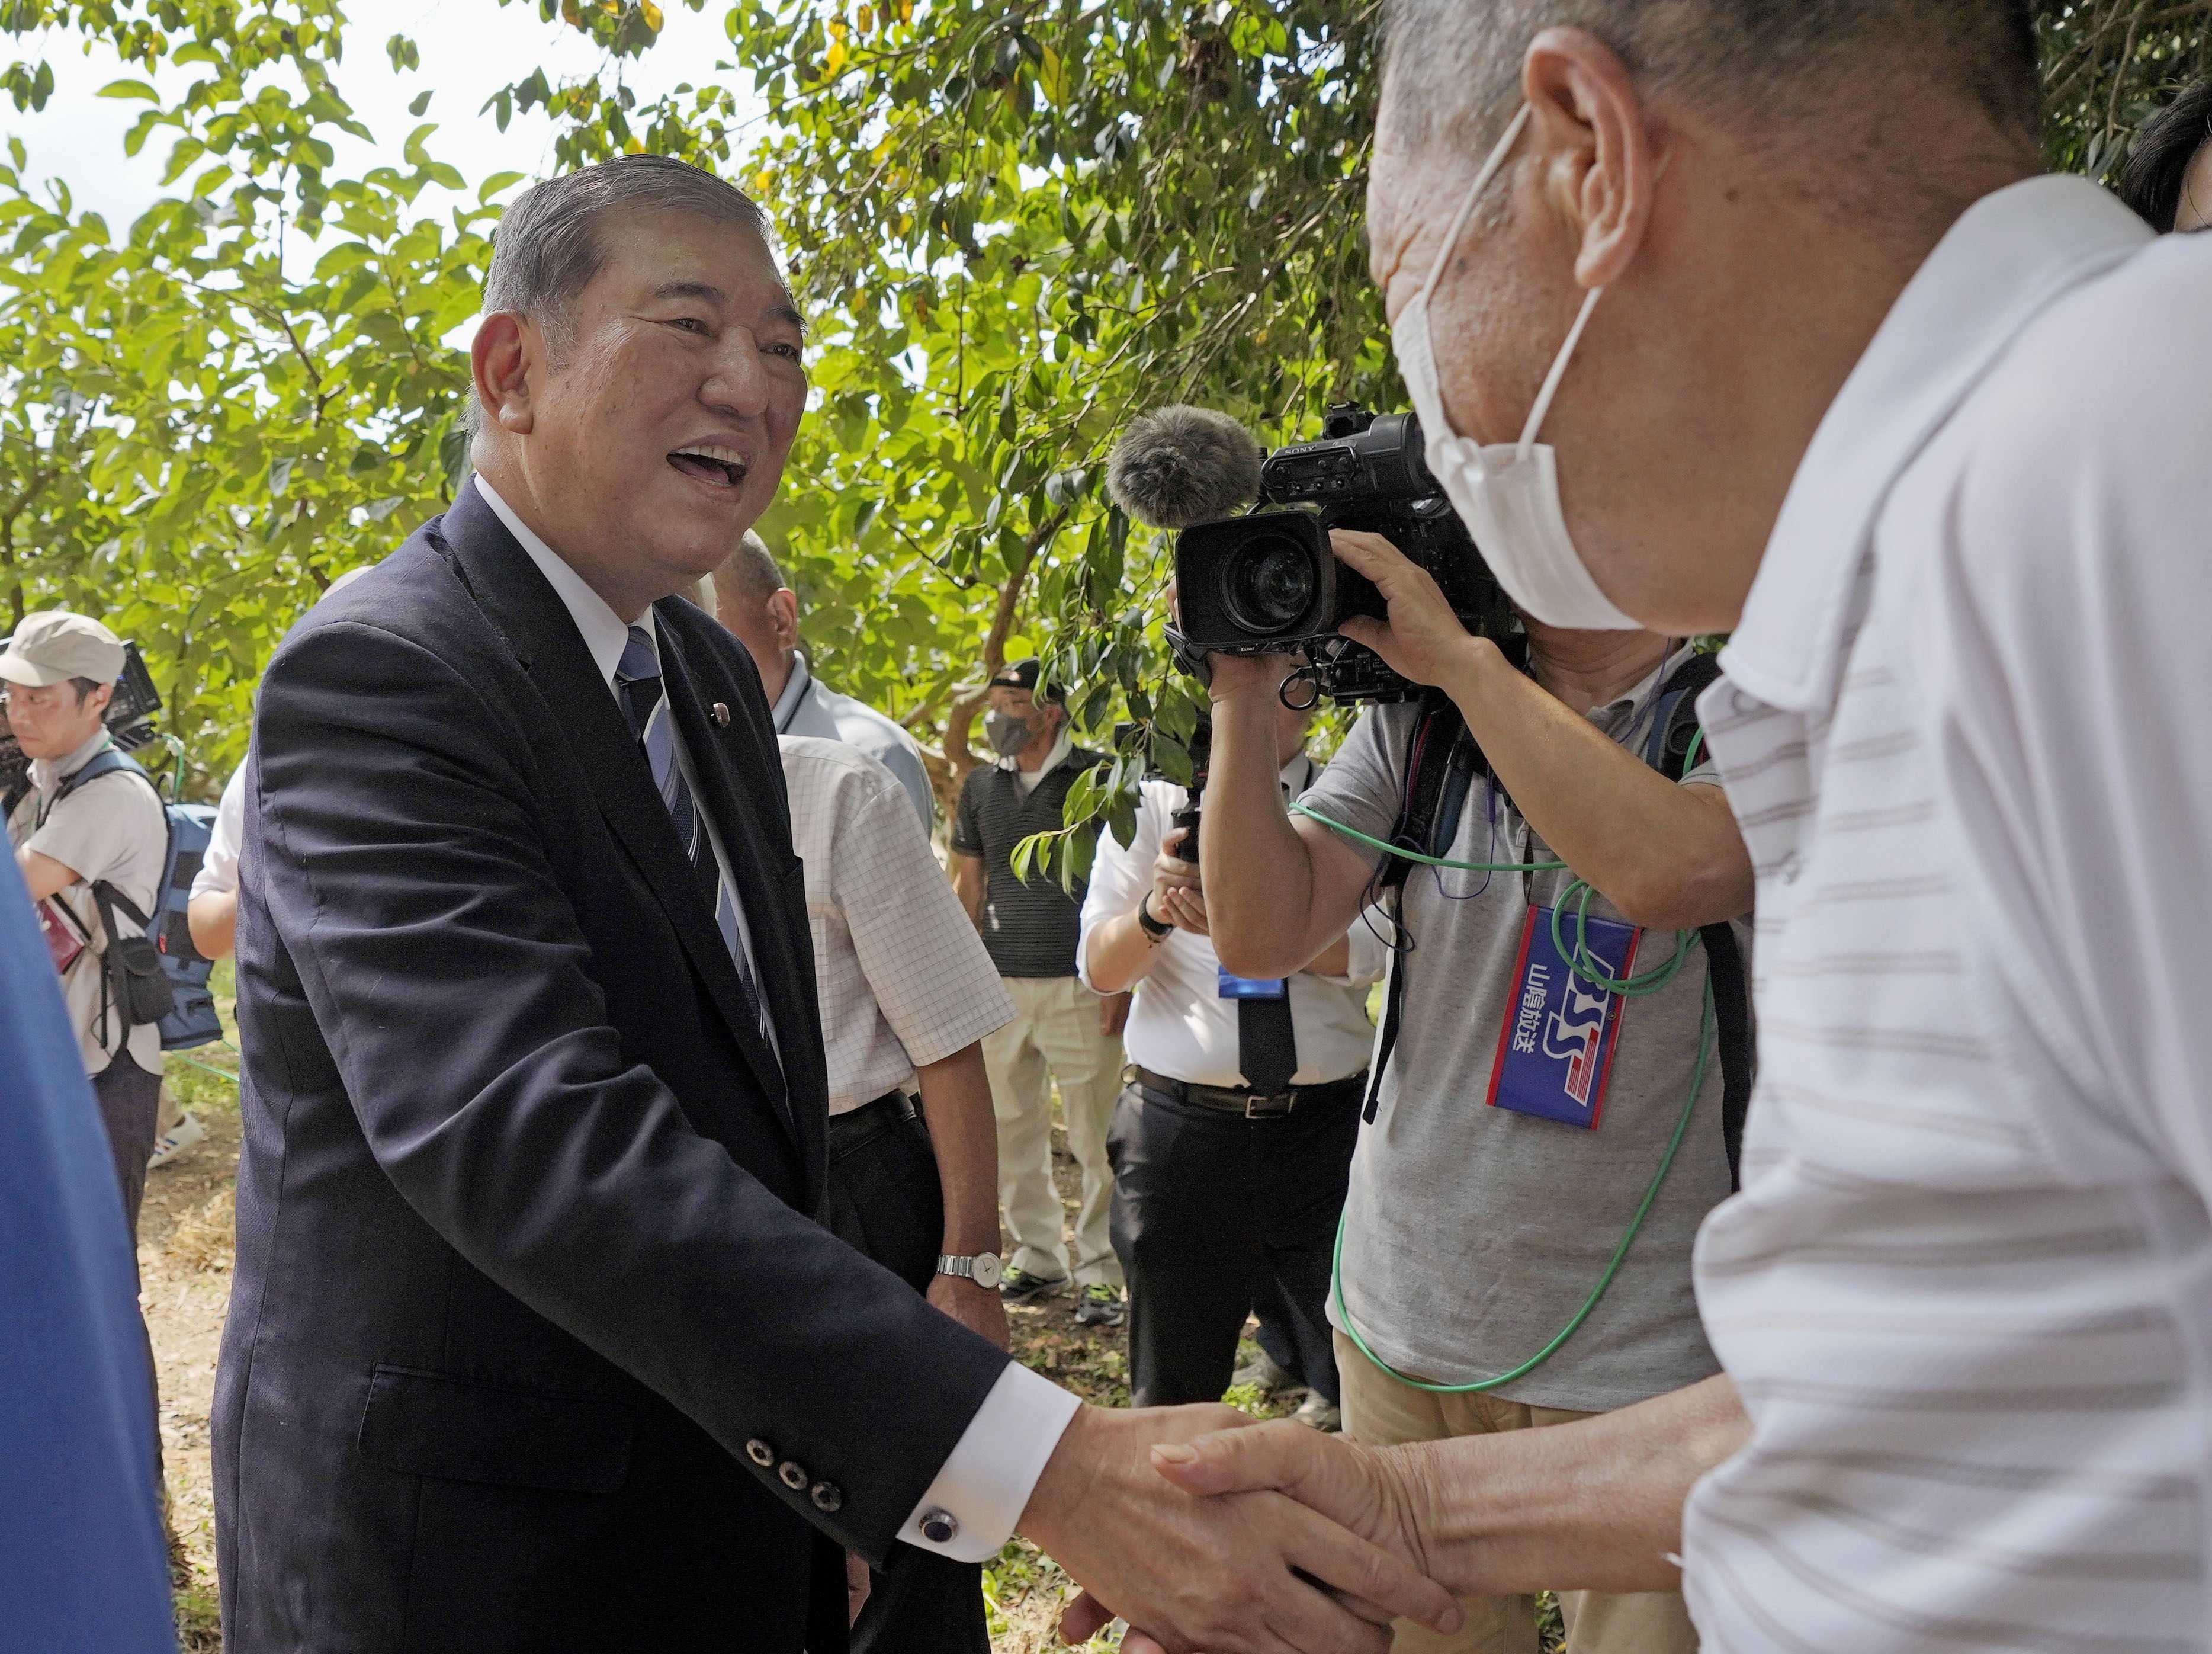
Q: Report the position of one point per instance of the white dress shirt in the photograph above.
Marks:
(606, 635)
(986, 1481)
(1179, 1025)
(218, 872)
(1967, 1292)
(902, 975)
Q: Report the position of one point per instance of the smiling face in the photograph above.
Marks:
(643, 432)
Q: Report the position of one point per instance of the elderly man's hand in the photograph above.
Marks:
(1423, 640)
(1251, 1573)
(1356, 1488)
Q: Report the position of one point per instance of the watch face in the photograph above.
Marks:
(987, 1270)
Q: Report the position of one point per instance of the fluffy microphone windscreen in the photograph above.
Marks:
(1179, 465)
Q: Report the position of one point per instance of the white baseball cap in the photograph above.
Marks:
(54, 646)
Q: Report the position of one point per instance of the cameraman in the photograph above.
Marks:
(1473, 1233)
(1233, 1137)
(70, 836)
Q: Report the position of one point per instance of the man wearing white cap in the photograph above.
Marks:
(72, 835)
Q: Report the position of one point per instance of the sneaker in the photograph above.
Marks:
(1317, 1412)
(1265, 1375)
(1020, 1286)
(174, 1141)
(1101, 1306)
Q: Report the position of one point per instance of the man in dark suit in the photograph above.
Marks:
(535, 1343)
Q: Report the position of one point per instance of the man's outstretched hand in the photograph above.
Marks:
(1254, 1572)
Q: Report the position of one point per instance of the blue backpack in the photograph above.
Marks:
(190, 1020)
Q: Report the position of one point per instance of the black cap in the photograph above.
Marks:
(1023, 675)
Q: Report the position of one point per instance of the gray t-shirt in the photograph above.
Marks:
(1474, 1234)
(112, 829)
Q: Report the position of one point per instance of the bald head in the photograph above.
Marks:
(758, 609)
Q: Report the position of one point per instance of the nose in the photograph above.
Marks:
(738, 384)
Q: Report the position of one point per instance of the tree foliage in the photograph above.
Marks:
(1012, 226)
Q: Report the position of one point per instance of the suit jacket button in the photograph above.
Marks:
(828, 1497)
(793, 1475)
(760, 1452)
(721, 715)
(939, 1527)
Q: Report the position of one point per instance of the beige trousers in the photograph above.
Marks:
(1380, 1411)
(1054, 1032)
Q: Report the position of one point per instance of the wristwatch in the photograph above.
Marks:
(1151, 927)
(984, 1269)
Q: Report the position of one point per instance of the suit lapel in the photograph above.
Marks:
(543, 635)
(736, 799)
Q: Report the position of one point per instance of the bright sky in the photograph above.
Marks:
(470, 49)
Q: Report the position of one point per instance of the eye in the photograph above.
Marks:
(789, 352)
(689, 325)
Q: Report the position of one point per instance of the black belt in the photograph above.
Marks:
(849, 1130)
(1242, 1099)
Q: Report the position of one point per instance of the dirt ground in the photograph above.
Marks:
(184, 1258)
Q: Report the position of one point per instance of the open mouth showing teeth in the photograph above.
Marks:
(725, 467)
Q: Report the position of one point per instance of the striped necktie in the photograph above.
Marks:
(637, 675)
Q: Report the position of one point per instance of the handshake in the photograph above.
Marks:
(1213, 1535)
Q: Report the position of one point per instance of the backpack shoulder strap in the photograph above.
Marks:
(1441, 760)
(1675, 728)
(1673, 732)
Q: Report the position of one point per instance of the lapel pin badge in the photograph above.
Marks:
(721, 715)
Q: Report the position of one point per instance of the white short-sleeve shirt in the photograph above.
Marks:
(1967, 1292)
(902, 976)
(111, 829)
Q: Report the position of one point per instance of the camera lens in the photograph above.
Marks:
(1270, 585)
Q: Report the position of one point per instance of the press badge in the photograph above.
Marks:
(1555, 1050)
(1249, 988)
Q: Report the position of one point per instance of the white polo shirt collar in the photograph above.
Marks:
(2012, 254)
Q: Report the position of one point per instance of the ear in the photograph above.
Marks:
(1591, 126)
(506, 351)
(783, 616)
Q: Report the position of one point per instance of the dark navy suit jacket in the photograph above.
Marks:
(534, 1343)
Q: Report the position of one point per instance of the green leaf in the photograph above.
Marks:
(129, 89)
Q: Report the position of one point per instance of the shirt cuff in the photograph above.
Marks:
(982, 1489)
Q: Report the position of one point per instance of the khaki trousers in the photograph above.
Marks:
(1379, 1411)
(1056, 1031)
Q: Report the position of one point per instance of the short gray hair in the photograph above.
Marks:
(1454, 66)
(748, 574)
(549, 247)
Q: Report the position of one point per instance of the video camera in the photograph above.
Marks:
(130, 720)
(1266, 582)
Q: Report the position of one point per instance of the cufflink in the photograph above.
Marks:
(720, 714)
(939, 1527)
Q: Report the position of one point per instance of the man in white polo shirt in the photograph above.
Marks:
(1929, 434)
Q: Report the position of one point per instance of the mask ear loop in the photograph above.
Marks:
(1559, 371)
(1498, 155)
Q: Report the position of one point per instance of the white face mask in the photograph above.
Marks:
(1508, 493)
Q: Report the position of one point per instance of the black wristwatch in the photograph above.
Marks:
(1153, 929)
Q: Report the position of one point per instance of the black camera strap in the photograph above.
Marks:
(1441, 764)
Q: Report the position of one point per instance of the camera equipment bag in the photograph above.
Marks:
(1442, 764)
(153, 972)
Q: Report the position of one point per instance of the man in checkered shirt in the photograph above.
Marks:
(908, 994)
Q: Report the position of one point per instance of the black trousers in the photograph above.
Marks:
(885, 1201)
(1215, 1215)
